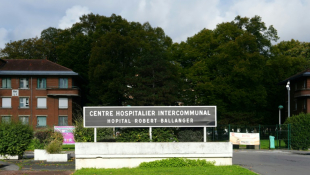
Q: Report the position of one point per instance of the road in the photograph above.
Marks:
(274, 162)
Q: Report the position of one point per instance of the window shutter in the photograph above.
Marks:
(6, 102)
(63, 102)
(41, 103)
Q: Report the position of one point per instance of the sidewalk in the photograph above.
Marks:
(28, 166)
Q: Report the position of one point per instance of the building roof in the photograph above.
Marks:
(305, 73)
(32, 67)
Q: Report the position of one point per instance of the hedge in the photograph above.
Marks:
(15, 138)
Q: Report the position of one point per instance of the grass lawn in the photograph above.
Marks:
(231, 170)
(68, 147)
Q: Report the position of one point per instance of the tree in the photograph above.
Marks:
(32, 48)
(224, 67)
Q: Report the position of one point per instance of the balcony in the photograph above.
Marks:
(56, 91)
(305, 92)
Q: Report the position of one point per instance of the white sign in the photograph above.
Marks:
(15, 92)
(244, 138)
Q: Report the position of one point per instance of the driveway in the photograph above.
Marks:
(273, 162)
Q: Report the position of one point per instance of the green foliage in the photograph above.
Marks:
(55, 136)
(15, 138)
(54, 147)
(43, 134)
(190, 135)
(177, 162)
(35, 144)
(142, 135)
(231, 170)
(300, 131)
(82, 134)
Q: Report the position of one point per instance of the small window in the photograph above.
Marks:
(41, 102)
(6, 83)
(295, 104)
(24, 102)
(6, 119)
(63, 82)
(63, 103)
(305, 103)
(6, 102)
(41, 121)
(305, 84)
(63, 121)
(23, 83)
(24, 120)
(41, 83)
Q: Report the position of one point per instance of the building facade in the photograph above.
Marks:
(37, 92)
(299, 93)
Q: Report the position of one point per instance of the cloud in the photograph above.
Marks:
(73, 15)
(179, 19)
(3, 37)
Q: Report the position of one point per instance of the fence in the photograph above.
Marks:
(282, 134)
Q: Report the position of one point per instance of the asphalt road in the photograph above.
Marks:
(274, 162)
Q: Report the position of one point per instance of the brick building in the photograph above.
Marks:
(37, 92)
(299, 93)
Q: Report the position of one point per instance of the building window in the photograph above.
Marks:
(41, 102)
(41, 121)
(6, 102)
(295, 104)
(6, 83)
(41, 83)
(24, 102)
(6, 119)
(63, 103)
(23, 83)
(24, 120)
(63, 82)
(305, 84)
(305, 103)
(63, 121)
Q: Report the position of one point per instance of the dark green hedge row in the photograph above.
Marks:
(300, 131)
(14, 138)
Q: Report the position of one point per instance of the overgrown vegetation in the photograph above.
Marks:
(54, 147)
(14, 138)
(142, 135)
(300, 131)
(190, 135)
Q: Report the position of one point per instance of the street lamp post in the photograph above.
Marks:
(280, 107)
(288, 99)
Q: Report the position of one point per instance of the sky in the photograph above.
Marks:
(180, 19)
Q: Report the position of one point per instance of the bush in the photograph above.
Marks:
(142, 135)
(55, 136)
(82, 134)
(300, 131)
(43, 135)
(190, 135)
(176, 162)
(53, 147)
(35, 144)
(15, 138)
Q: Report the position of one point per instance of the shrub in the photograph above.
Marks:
(15, 138)
(82, 134)
(43, 134)
(54, 147)
(176, 162)
(35, 144)
(300, 131)
(55, 136)
(190, 135)
(142, 135)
